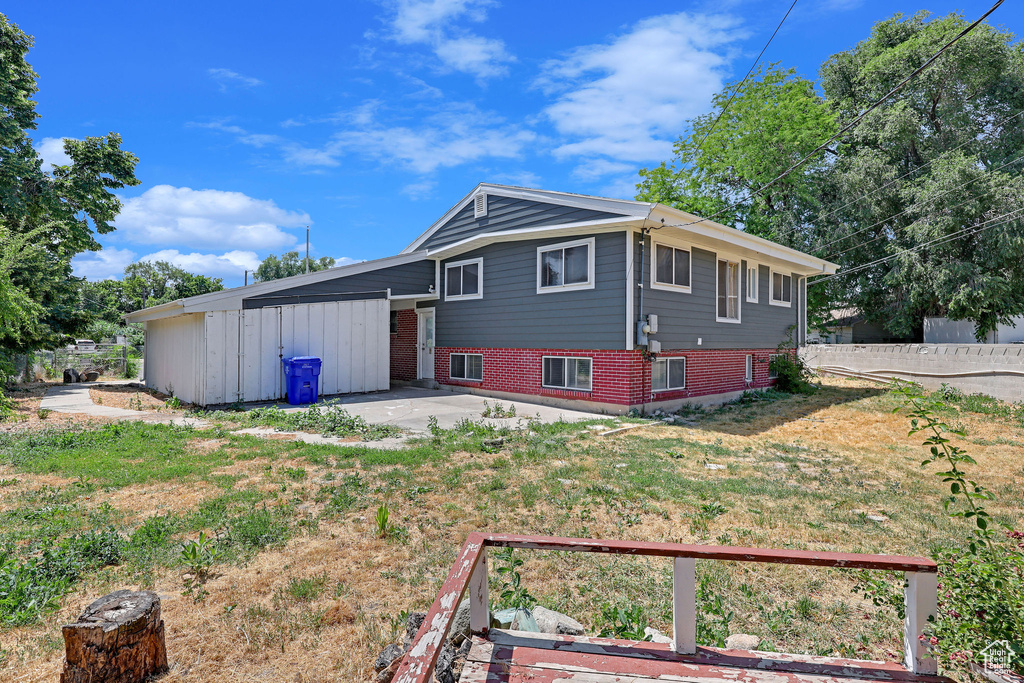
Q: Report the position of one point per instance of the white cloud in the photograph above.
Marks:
(629, 98)
(420, 189)
(206, 218)
(226, 78)
(592, 169)
(458, 134)
(229, 264)
(52, 152)
(104, 264)
(433, 23)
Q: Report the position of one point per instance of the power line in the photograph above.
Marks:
(859, 118)
(911, 171)
(738, 87)
(896, 215)
(973, 230)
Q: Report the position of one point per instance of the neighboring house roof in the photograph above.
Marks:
(522, 214)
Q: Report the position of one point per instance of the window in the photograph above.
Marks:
(752, 283)
(463, 280)
(668, 373)
(748, 370)
(782, 289)
(480, 205)
(567, 373)
(772, 372)
(566, 266)
(394, 322)
(670, 268)
(728, 291)
(466, 366)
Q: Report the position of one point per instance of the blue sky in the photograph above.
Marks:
(367, 120)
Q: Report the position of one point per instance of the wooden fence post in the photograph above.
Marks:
(921, 602)
(479, 610)
(684, 605)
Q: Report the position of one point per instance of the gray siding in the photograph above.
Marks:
(409, 278)
(683, 318)
(512, 315)
(506, 213)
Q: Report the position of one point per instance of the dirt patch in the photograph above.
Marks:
(134, 398)
(28, 416)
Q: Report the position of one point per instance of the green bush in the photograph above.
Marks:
(792, 374)
(31, 587)
(326, 418)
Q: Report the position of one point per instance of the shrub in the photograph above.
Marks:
(792, 374)
(981, 593)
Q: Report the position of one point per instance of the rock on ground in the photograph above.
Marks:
(550, 621)
(742, 641)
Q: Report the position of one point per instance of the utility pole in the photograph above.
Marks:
(246, 278)
(307, 250)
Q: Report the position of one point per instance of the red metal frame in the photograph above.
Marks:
(419, 661)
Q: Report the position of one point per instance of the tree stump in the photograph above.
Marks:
(117, 639)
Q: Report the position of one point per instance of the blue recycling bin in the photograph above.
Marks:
(302, 376)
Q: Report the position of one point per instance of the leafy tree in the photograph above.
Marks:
(944, 132)
(62, 209)
(274, 268)
(150, 283)
(770, 122)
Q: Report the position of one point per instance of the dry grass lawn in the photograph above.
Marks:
(308, 591)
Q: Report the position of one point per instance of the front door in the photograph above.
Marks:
(425, 343)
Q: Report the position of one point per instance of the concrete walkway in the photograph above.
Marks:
(74, 398)
(408, 408)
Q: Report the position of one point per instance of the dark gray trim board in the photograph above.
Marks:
(410, 278)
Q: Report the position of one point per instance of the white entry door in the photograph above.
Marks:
(425, 343)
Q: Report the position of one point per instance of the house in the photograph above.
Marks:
(587, 302)
(849, 326)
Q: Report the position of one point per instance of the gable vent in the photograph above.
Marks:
(480, 205)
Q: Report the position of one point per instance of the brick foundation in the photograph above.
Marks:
(618, 377)
(403, 347)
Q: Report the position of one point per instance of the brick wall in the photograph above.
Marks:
(403, 347)
(618, 377)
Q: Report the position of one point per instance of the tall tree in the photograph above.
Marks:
(150, 283)
(932, 171)
(73, 202)
(755, 131)
(274, 268)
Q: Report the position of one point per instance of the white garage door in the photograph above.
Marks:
(244, 348)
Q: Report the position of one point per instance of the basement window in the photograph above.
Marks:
(668, 374)
(748, 372)
(468, 366)
(772, 372)
(463, 280)
(567, 373)
(394, 322)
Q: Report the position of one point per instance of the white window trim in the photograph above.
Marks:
(654, 268)
(480, 279)
(748, 368)
(551, 386)
(757, 282)
(466, 379)
(772, 356)
(686, 371)
(739, 299)
(771, 288)
(589, 284)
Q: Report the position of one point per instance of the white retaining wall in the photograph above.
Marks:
(993, 369)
